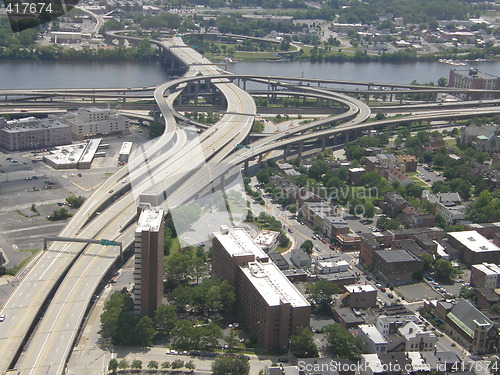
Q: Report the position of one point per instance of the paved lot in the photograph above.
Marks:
(22, 229)
(417, 292)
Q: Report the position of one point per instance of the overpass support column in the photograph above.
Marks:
(323, 142)
(244, 84)
(245, 168)
(300, 147)
(288, 150)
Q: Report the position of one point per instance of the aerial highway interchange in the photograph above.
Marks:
(178, 166)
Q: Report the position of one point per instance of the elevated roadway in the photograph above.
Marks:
(163, 167)
(56, 332)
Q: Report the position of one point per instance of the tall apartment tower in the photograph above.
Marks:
(148, 273)
(268, 304)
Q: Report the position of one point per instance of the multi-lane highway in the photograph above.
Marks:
(177, 165)
(55, 334)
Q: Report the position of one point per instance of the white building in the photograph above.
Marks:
(388, 325)
(325, 267)
(266, 239)
(90, 121)
(485, 275)
(125, 151)
(75, 156)
(416, 338)
(376, 343)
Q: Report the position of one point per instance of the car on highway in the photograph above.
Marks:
(110, 191)
(2, 317)
(390, 295)
(290, 230)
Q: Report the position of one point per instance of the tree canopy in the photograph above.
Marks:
(230, 365)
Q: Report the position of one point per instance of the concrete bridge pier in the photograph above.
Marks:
(323, 142)
(288, 151)
(245, 168)
(300, 146)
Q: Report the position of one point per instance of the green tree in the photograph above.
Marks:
(341, 343)
(177, 364)
(320, 295)
(303, 344)
(225, 365)
(165, 318)
(165, 364)
(444, 270)
(60, 214)
(136, 364)
(145, 331)
(307, 246)
(118, 322)
(113, 365)
(232, 340)
(467, 292)
(74, 201)
(152, 365)
(369, 209)
(123, 364)
(190, 366)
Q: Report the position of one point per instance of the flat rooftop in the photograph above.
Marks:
(391, 256)
(358, 288)
(238, 242)
(272, 285)
(32, 123)
(150, 220)
(373, 333)
(126, 148)
(474, 241)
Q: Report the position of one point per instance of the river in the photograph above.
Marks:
(57, 74)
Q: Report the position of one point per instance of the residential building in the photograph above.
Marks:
(269, 305)
(91, 121)
(367, 248)
(266, 239)
(375, 342)
(472, 328)
(451, 212)
(359, 296)
(355, 175)
(487, 297)
(474, 248)
(407, 163)
(334, 225)
(416, 338)
(300, 258)
(485, 275)
(30, 132)
(397, 267)
(279, 260)
(474, 79)
(232, 248)
(394, 203)
(331, 266)
(435, 233)
(485, 229)
(148, 268)
(347, 317)
(348, 242)
(389, 325)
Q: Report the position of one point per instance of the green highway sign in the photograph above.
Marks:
(108, 243)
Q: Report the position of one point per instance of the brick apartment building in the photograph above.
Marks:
(269, 305)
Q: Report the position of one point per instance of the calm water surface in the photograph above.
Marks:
(50, 74)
